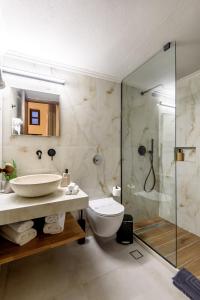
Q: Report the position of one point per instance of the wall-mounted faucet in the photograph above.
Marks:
(51, 152)
(39, 154)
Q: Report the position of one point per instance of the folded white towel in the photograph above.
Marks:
(72, 191)
(55, 218)
(57, 227)
(67, 191)
(18, 238)
(52, 228)
(71, 186)
(22, 226)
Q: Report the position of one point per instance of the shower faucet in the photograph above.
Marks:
(152, 146)
(142, 151)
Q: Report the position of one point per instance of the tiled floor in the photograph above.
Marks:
(88, 272)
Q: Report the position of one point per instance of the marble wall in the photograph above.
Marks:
(90, 124)
(145, 119)
(188, 134)
(139, 124)
(90, 114)
(167, 180)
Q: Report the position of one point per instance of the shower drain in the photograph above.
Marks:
(136, 254)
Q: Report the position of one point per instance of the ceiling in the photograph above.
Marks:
(105, 38)
(155, 72)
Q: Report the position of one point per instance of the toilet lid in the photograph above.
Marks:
(106, 207)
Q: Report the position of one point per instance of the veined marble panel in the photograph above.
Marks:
(140, 125)
(144, 119)
(188, 134)
(167, 203)
(90, 124)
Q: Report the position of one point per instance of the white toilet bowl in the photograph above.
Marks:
(105, 216)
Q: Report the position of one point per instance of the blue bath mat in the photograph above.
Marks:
(188, 284)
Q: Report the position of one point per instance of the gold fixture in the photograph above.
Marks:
(180, 156)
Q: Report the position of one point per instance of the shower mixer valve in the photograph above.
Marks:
(142, 151)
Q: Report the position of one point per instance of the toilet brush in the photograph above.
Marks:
(81, 222)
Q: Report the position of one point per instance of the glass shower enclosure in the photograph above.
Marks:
(148, 156)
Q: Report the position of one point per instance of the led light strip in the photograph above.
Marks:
(31, 75)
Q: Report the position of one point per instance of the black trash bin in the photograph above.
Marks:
(125, 232)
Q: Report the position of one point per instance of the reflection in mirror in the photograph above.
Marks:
(35, 113)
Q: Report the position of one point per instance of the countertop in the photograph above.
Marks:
(14, 208)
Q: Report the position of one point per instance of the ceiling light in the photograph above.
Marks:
(32, 75)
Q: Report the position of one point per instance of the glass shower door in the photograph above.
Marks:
(148, 143)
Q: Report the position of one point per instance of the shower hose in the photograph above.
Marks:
(151, 170)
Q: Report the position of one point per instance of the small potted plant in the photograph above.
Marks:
(9, 175)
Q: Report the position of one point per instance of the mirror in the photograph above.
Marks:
(35, 113)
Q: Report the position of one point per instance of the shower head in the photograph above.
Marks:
(142, 93)
(2, 82)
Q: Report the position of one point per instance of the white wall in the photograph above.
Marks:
(90, 124)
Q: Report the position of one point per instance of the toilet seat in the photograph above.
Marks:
(106, 207)
(105, 216)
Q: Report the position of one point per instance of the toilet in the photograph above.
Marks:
(105, 216)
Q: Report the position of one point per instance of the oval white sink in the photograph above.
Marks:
(36, 185)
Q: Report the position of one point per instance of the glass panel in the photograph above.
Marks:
(148, 142)
(188, 171)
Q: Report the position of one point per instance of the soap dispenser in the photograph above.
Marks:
(65, 179)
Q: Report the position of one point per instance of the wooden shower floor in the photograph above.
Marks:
(161, 236)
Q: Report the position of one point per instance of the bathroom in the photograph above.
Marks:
(99, 152)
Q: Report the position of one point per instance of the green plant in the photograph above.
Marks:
(14, 173)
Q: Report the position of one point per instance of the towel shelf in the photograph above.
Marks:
(72, 232)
